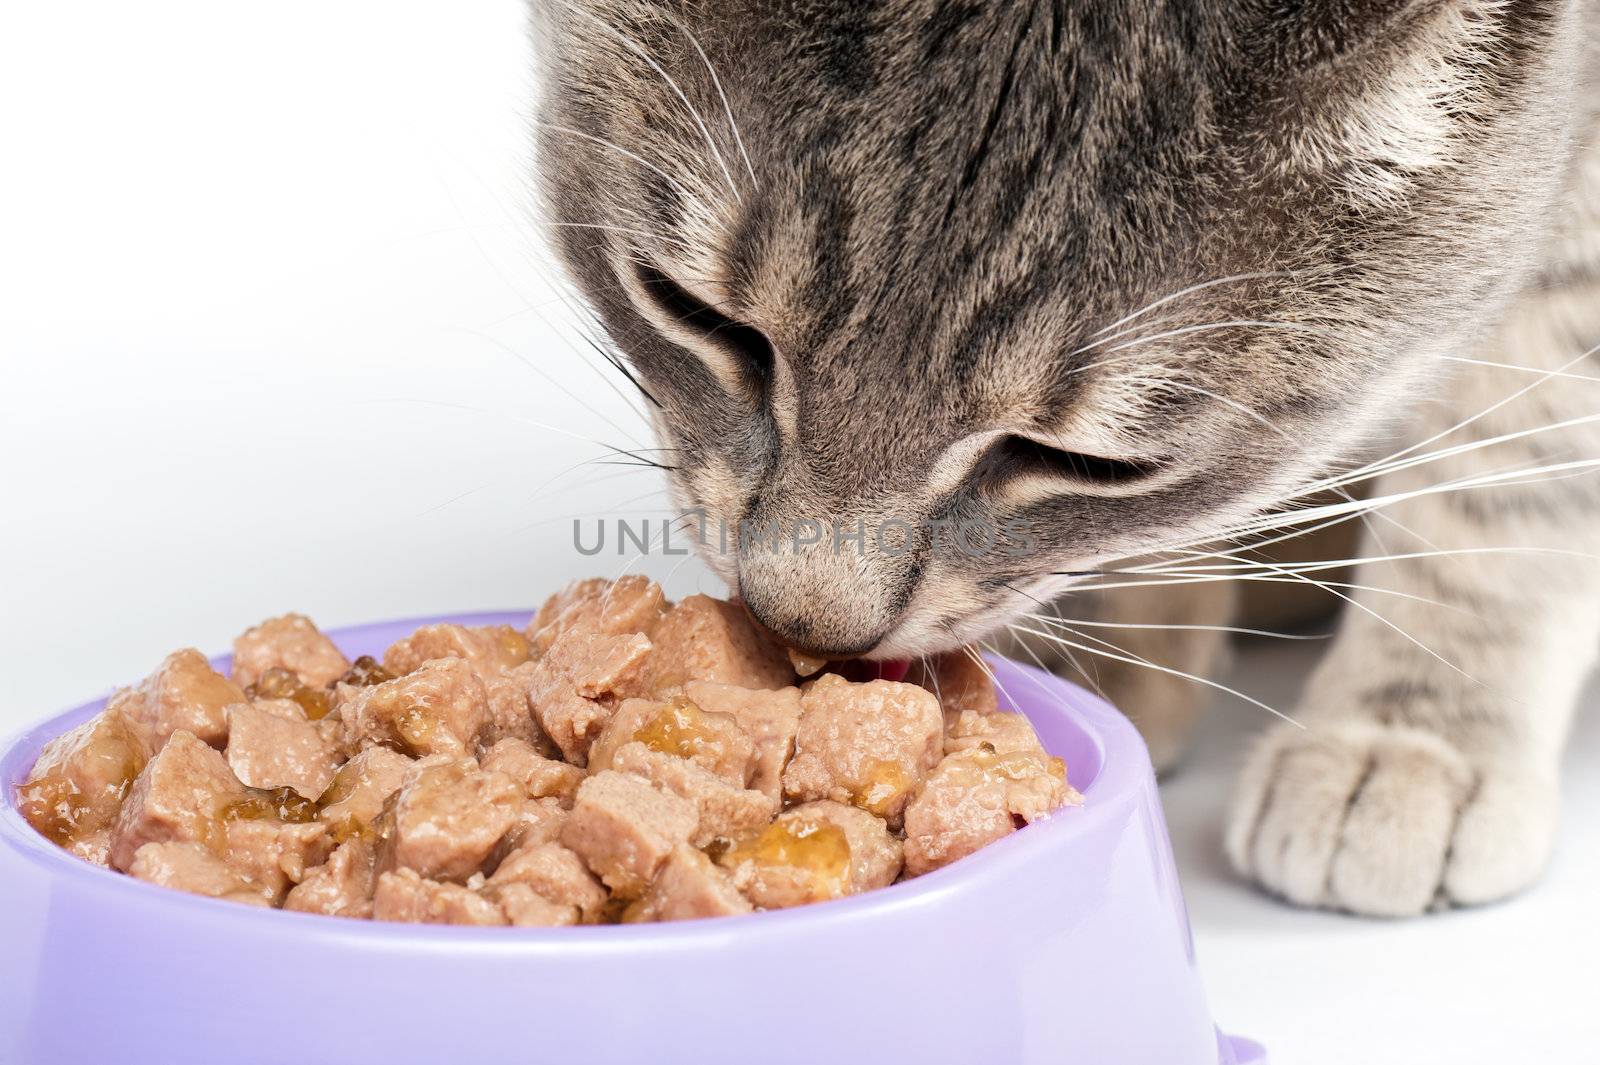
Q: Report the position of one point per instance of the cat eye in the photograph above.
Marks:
(686, 310)
(1013, 455)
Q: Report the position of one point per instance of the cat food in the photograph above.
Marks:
(623, 758)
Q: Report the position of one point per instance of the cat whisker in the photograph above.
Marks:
(622, 229)
(509, 350)
(604, 143)
(1186, 330)
(637, 49)
(1234, 629)
(727, 108)
(1137, 660)
(1387, 463)
(1259, 275)
(1264, 579)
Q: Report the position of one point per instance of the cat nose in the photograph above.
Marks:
(821, 602)
(805, 635)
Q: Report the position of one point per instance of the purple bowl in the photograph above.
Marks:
(1066, 942)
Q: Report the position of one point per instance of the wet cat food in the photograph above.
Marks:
(622, 758)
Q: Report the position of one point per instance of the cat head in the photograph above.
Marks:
(1078, 281)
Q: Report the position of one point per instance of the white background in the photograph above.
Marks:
(277, 334)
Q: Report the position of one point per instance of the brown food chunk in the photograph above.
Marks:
(289, 642)
(440, 708)
(976, 796)
(178, 797)
(491, 648)
(75, 790)
(538, 821)
(812, 852)
(511, 709)
(959, 682)
(724, 810)
(446, 818)
(194, 868)
(183, 693)
(624, 828)
(681, 728)
(405, 896)
(341, 886)
(272, 854)
(769, 718)
(632, 604)
(706, 639)
(1002, 732)
(868, 744)
(269, 749)
(805, 664)
(577, 685)
(352, 802)
(540, 777)
(556, 873)
(688, 887)
(526, 908)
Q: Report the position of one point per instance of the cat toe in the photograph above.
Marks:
(1381, 820)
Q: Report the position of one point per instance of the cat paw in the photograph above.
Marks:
(1387, 821)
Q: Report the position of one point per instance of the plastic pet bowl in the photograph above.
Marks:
(1066, 943)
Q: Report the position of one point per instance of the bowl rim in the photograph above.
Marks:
(1109, 797)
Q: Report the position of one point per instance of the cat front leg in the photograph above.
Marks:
(1426, 773)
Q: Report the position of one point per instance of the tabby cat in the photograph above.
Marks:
(1140, 284)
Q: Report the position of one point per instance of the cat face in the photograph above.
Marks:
(1014, 290)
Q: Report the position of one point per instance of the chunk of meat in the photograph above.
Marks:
(75, 790)
(446, 818)
(688, 887)
(632, 604)
(769, 717)
(869, 744)
(352, 802)
(490, 648)
(805, 664)
(270, 749)
(556, 873)
(194, 868)
(404, 896)
(271, 854)
(679, 727)
(289, 642)
(724, 810)
(179, 796)
(183, 693)
(706, 639)
(511, 709)
(341, 886)
(623, 828)
(577, 685)
(440, 708)
(812, 852)
(1002, 732)
(958, 680)
(540, 777)
(538, 821)
(976, 796)
(526, 908)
